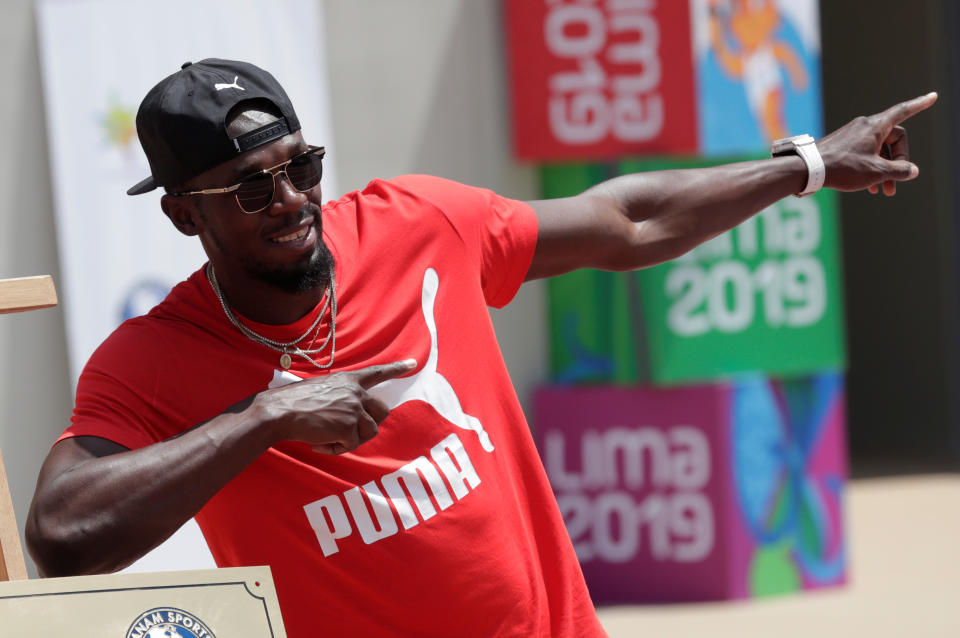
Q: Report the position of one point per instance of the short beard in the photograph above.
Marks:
(313, 272)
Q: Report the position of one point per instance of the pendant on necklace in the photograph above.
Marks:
(285, 361)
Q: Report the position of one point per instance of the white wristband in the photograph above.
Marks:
(806, 147)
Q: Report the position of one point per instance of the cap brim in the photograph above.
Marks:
(144, 186)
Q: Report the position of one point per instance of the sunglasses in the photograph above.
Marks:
(255, 192)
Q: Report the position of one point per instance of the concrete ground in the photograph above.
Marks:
(904, 577)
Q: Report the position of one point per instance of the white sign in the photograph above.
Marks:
(120, 255)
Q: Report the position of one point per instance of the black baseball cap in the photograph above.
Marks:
(181, 122)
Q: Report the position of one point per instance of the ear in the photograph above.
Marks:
(182, 213)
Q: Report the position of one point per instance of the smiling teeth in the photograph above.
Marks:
(300, 234)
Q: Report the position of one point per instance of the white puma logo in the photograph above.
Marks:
(426, 385)
(221, 87)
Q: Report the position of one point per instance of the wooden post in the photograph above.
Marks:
(27, 293)
(12, 565)
(18, 295)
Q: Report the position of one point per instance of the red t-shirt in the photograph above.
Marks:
(444, 524)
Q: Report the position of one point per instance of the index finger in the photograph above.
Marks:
(372, 375)
(900, 112)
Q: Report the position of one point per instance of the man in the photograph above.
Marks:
(396, 490)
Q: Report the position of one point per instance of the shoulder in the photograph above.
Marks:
(445, 194)
(459, 203)
(427, 184)
(408, 200)
(406, 189)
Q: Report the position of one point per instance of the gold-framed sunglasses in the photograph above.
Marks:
(255, 192)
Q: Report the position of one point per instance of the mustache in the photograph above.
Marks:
(310, 211)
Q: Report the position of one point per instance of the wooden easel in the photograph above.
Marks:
(18, 295)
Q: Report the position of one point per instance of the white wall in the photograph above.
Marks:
(418, 87)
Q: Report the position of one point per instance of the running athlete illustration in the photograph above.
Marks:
(756, 58)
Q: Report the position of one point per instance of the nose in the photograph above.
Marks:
(286, 198)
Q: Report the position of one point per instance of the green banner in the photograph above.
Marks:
(763, 297)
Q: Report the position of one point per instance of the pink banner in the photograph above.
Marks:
(699, 493)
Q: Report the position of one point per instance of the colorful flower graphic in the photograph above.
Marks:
(118, 124)
(788, 484)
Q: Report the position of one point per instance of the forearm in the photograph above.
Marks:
(98, 507)
(673, 211)
(103, 513)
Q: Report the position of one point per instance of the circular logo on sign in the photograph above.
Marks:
(168, 622)
(141, 297)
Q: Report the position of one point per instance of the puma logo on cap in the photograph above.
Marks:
(220, 86)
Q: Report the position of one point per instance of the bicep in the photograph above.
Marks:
(585, 231)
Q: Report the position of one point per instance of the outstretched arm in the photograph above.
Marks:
(644, 219)
(99, 507)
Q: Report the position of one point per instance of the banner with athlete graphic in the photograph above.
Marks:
(600, 79)
(119, 255)
(757, 68)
